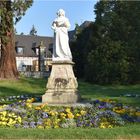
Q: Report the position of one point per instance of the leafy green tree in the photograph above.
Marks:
(11, 12)
(78, 49)
(118, 23)
(108, 50)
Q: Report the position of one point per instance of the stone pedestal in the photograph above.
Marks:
(62, 84)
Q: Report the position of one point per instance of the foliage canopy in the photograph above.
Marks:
(108, 50)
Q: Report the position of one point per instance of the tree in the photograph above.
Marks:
(117, 23)
(79, 51)
(108, 51)
(33, 31)
(11, 12)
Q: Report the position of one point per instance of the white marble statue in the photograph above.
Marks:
(61, 49)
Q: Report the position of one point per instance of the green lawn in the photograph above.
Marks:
(72, 133)
(22, 86)
(87, 91)
(33, 86)
(118, 92)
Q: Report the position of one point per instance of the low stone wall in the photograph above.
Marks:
(35, 74)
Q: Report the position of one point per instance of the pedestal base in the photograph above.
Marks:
(60, 98)
(62, 84)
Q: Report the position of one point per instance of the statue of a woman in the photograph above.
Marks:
(61, 49)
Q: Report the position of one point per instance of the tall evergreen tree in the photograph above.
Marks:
(33, 31)
(10, 11)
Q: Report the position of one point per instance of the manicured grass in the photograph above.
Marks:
(22, 86)
(33, 86)
(117, 92)
(128, 132)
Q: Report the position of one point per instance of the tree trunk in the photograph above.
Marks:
(8, 69)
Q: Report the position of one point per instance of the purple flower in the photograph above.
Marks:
(25, 126)
(103, 103)
(39, 123)
(23, 103)
(25, 123)
(79, 124)
(17, 125)
(32, 125)
(96, 101)
(92, 121)
(44, 115)
(101, 107)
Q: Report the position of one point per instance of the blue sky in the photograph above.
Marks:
(43, 12)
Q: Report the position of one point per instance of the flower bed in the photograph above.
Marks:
(103, 113)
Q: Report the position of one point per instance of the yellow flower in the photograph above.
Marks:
(132, 110)
(37, 107)
(19, 119)
(12, 115)
(43, 105)
(48, 126)
(120, 111)
(137, 113)
(62, 114)
(83, 112)
(4, 119)
(68, 110)
(40, 126)
(70, 115)
(78, 115)
(29, 105)
(46, 110)
(102, 125)
(110, 126)
(115, 108)
(53, 113)
(56, 113)
(3, 123)
(3, 113)
(30, 100)
(3, 106)
(58, 120)
(48, 122)
(56, 126)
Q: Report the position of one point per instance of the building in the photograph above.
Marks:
(29, 55)
(32, 51)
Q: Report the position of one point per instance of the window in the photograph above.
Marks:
(19, 50)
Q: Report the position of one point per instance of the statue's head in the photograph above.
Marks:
(61, 12)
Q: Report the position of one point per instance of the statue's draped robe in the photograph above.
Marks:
(61, 49)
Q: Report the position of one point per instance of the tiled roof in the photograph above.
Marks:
(28, 42)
